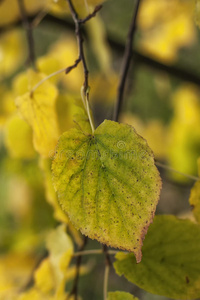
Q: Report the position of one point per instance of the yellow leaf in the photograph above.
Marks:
(166, 26)
(49, 64)
(7, 106)
(19, 138)
(38, 109)
(51, 196)
(50, 276)
(34, 294)
(61, 55)
(43, 276)
(60, 248)
(184, 145)
(12, 51)
(15, 269)
(67, 52)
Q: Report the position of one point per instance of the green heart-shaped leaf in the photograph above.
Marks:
(171, 262)
(108, 184)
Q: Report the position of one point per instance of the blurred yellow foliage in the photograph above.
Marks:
(19, 200)
(15, 271)
(184, 131)
(7, 105)
(49, 64)
(60, 247)
(9, 9)
(19, 138)
(63, 54)
(38, 109)
(166, 26)
(52, 273)
(12, 51)
(97, 36)
(153, 131)
(49, 280)
(71, 113)
(197, 12)
(101, 83)
(51, 196)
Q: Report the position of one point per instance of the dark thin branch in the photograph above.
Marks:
(80, 43)
(30, 281)
(107, 256)
(74, 290)
(126, 62)
(68, 69)
(108, 264)
(29, 33)
(81, 57)
(181, 73)
(92, 15)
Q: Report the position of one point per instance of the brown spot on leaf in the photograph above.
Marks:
(192, 206)
(187, 279)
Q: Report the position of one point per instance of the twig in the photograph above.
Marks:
(181, 73)
(30, 281)
(81, 57)
(74, 290)
(108, 264)
(39, 17)
(88, 252)
(80, 41)
(126, 61)
(195, 178)
(92, 15)
(29, 33)
(77, 61)
(97, 251)
(66, 70)
(107, 256)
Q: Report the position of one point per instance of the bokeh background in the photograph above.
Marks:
(162, 102)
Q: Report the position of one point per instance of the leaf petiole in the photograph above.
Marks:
(45, 79)
(85, 99)
(195, 178)
(97, 251)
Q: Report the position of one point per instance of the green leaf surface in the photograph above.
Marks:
(171, 260)
(195, 200)
(195, 196)
(120, 296)
(107, 184)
